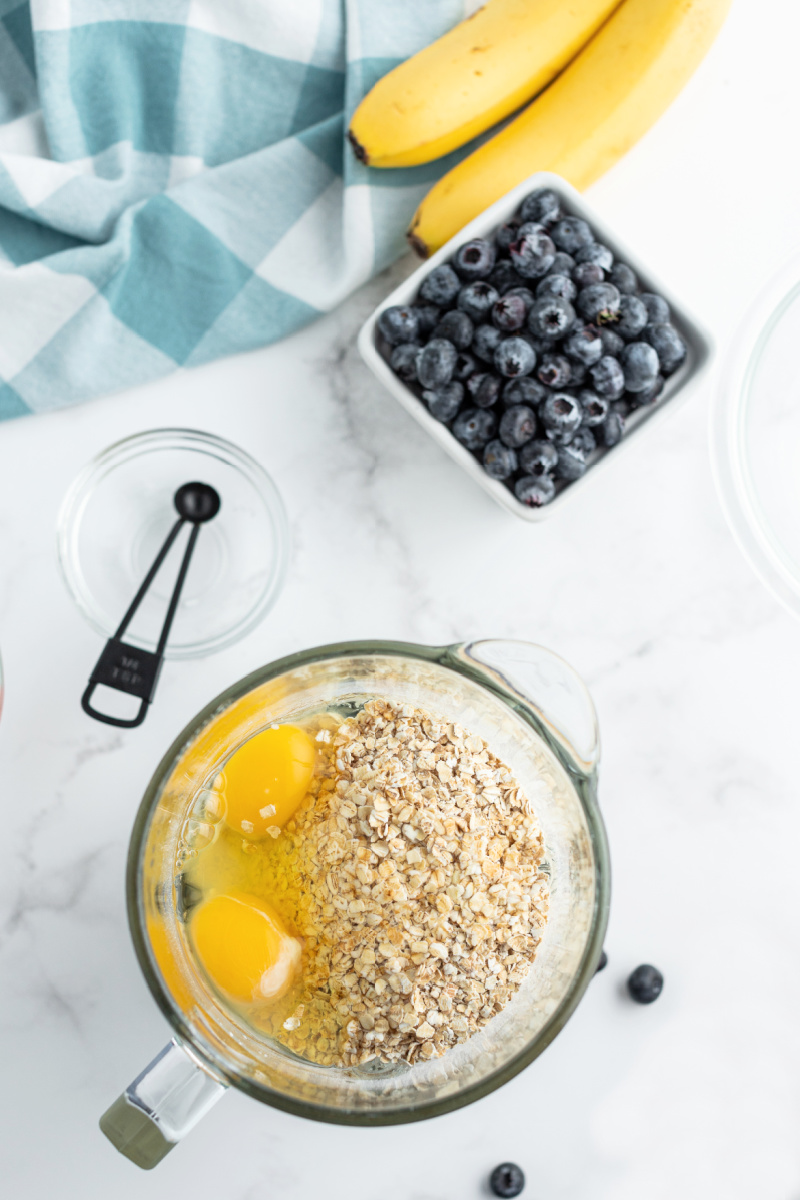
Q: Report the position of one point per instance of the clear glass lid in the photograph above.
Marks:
(755, 437)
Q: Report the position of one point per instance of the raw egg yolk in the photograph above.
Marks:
(266, 779)
(244, 948)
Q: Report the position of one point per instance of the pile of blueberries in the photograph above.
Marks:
(534, 347)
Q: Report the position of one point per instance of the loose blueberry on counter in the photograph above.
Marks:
(554, 371)
(440, 287)
(571, 463)
(533, 253)
(509, 312)
(456, 327)
(563, 264)
(612, 430)
(667, 343)
(556, 285)
(525, 294)
(584, 345)
(561, 415)
(587, 274)
(476, 299)
(524, 391)
(507, 1180)
(623, 278)
(657, 308)
(599, 303)
(535, 490)
(596, 253)
(608, 378)
(487, 394)
(399, 323)
(428, 316)
(602, 963)
(465, 367)
(645, 984)
(444, 403)
(632, 317)
(404, 361)
(639, 363)
(475, 259)
(538, 458)
(436, 363)
(613, 344)
(551, 317)
(517, 426)
(514, 357)
(506, 234)
(474, 427)
(499, 461)
(542, 206)
(571, 234)
(504, 277)
(485, 341)
(595, 408)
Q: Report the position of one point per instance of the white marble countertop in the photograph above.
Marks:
(692, 665)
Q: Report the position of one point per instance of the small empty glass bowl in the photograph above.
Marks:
(118, 512)
(755, 437)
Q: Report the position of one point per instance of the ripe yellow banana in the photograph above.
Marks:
(604, 101)
(481, 71)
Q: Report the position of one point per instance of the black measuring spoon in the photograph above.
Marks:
(127, 668)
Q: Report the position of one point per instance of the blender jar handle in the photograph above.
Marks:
(545, 683)
(160, 1106)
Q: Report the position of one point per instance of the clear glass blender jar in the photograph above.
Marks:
(536, 715)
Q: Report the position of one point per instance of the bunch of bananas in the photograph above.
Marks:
(597, 73)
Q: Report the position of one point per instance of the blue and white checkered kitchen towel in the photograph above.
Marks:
(175, 183)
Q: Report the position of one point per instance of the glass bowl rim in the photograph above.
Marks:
(83, 485)
(447, 657)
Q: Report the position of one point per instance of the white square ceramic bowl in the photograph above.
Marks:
(677, 386)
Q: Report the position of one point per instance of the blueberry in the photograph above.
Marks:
(657, 308)
(613, 344)
(561, 415)
(668, 344)
(595, 408)
(571, 234)
(499, 461)
(612, 430)
(487, 393)
(551, 317)
(445, 402)
(597, 253)
(475, 259)
(623, 278)
(621, 407)
(571, 464)
(464, 368)
(456, 327)
(584, 441)
(535, 490)
(476, 299)
(399, 323)
(542, 206)
(554, 371)
(645, 984)
(639, 363)
(602, 963)
(524, 391)
(563, 264)
(608, 378)
(587, 274)
(509, 312)
(436, 363)
(404, 361)
(599, 303)
(428, 316)
(474, 382)
(538, 458)
(584, 345)
(578, 373)
(441, 286)
(506, 234)
(632, 317)
(556, 285)
(507, 1179)
(485, 341)
(514, 357)
(504, 277)
(640, 399)
(533, 252)
(517, 425)
(525, 294)
(475, 427)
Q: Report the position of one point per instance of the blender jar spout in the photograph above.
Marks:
(544, 684)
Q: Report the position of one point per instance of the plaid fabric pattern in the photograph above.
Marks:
(175, 183)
